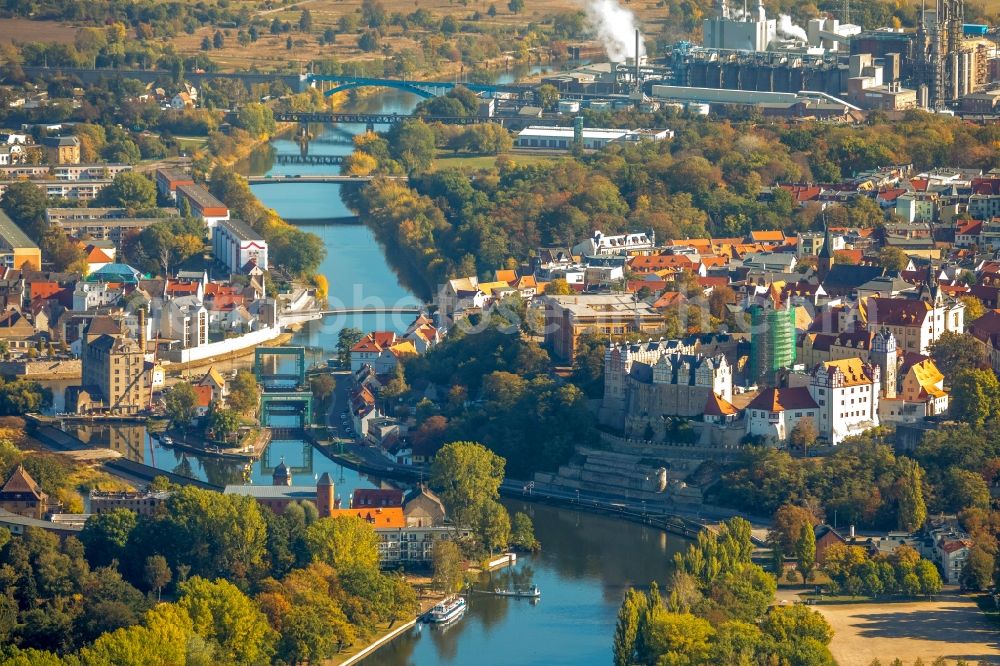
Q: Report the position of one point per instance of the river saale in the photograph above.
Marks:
(586, 562)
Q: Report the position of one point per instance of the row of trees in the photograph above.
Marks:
(717, 612)
(903, 572)
(255, 586)
(864, 482)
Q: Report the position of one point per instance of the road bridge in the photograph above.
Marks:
(374, 118)
(309, 159)
(426, 89)
(316, 178)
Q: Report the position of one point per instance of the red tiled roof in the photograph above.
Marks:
(802, 193)
(986, 186)
(716, 405)
(204, 395)
(778, 400)
(658, 262)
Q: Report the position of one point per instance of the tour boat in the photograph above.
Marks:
(446, 611)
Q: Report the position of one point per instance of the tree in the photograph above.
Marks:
(558, 287)
(368, 41)
(929, 577)
(955, 351)
(223, 422)
(974, 308)
(129, 190)
(547, 97)
(347, 543)
(323, 386)
(412, 143)
(786, 531)
(446, 561)
(244, 393)
(305, 21)
(493, 526)
(346, 339)
(675, 638)
(627, 627)
(515, 6)
(181, 403)
(218, 41)
(804, 434)
(258, 119)
(893, 259)
(523, 532)
(25, 203)
(157, 573)
(805, 551)
(909, 493)
(467, 477)
(104, 535)
(206, 43)
(975, 396)
(978, 571)
(964, 489)
(787, 624)
(220, 612)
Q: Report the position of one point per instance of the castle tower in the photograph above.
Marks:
(883, 355)
(282, 475)
(324, 495)
(824, 260)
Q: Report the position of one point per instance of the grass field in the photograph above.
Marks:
(477, 162)
(26, 30)
(952, 627)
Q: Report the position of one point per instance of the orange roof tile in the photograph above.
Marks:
(378, 517)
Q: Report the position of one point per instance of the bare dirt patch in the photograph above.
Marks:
(25, 30)
(952, 627)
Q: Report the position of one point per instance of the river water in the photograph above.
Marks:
(586, 562)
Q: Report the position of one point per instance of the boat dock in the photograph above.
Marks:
(505, 560)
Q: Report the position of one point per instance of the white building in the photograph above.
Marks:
(563, 138)
(185, 319)
(600, 244)
(238, 246)
(916, 323)
(841, 400)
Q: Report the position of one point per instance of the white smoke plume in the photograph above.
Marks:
(615, 27)
(789, 29)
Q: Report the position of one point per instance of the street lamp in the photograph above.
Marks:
(577, 495)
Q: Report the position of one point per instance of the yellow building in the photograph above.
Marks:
(61, 149)
(16, 249)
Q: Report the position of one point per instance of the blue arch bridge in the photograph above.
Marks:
(331, 84)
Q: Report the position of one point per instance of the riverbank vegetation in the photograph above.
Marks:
(717, 612)
(705, 181)
(245, 586)
(501, 394)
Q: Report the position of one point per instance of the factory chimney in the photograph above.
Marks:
(142, 330)
(636, 58)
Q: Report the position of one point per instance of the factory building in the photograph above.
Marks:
(752, 31)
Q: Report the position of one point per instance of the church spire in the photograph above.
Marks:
(824, 260)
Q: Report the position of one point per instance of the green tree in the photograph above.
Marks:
(221, 613)
(244, 393)
(975, 396)
(805, 551)
(737, 642)
(346, 339)
(467, 477)
(104, 535)
(493, 526)
(305, 21)
(515, 6)
(181, 403)
(25, 203)
(412, 144)
(929, 577)
(323, 386)
(964, 489)
(955, 351)
(347, 543)
(627, 628)
(804, 434)
(130, 190)
(157, 573)
(676, 638)
(218, 40)
(258, 119)
(223, 422)
(558, 287)
(978, 571)
(547, 97)
(523, 532)
(893, 259)
(909, 493)
(447, 566)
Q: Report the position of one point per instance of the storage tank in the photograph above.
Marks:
(569, 106)
(600, 105)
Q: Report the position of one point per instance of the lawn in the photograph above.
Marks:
(952, 627)
(447, 160)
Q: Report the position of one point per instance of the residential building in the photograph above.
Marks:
(846, 392)
(605, 315)
(238, 246)
(80, 190)
(61, 149)
(423, 508)
(144, 502)
(811, 243)
(916, 323)
(202, 204)
(168, 179)
(185, 319)
(16, 249)
(21, 495)
(921, 394)
(114, 230)
(775, 412)
(635, 243)
(114, 369)
(381, 350)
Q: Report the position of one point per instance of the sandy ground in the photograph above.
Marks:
(26, 30)
(951, 627)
